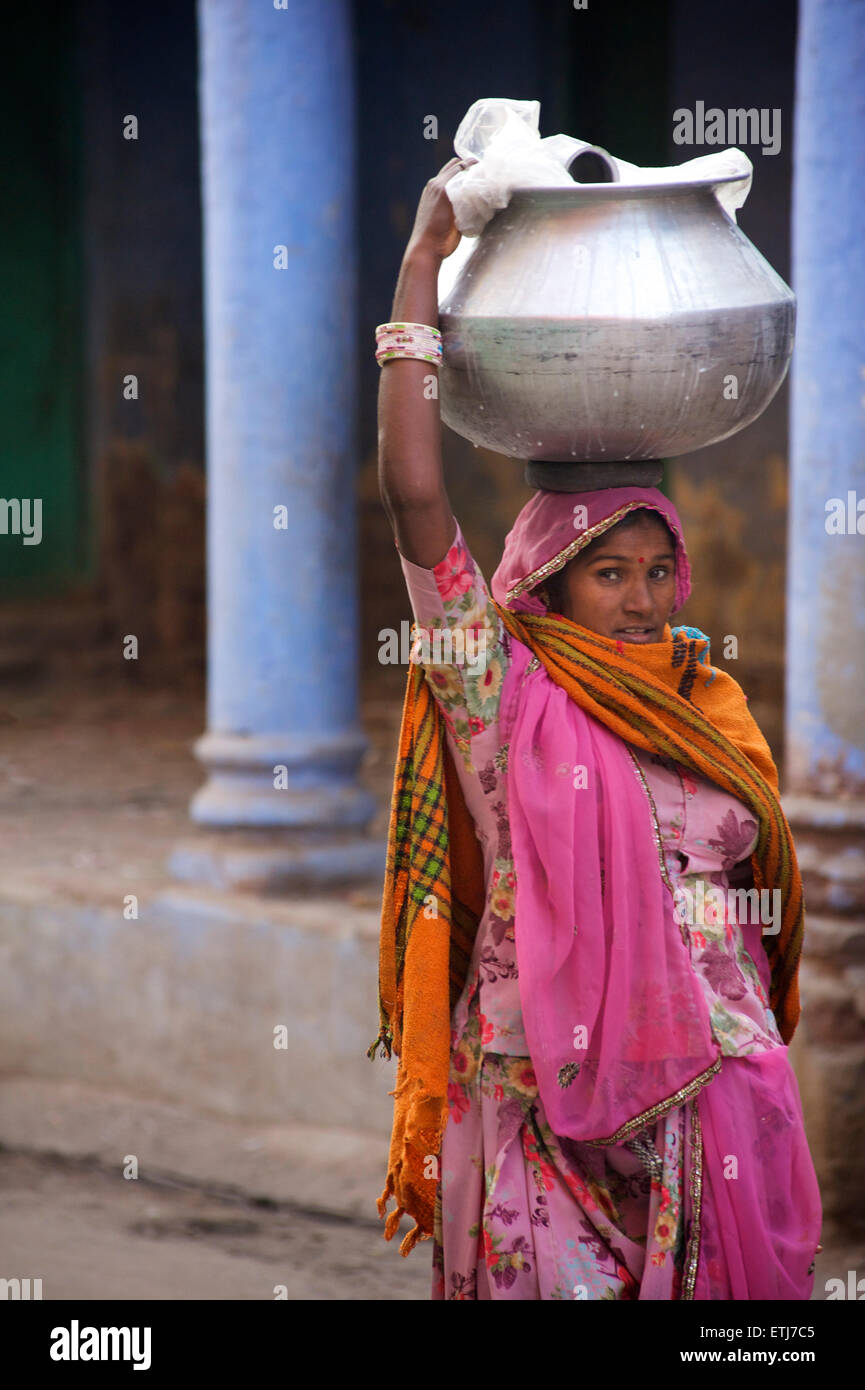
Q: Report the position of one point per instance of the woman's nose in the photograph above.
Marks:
(638, 598)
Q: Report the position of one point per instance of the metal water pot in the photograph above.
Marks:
(608, 322)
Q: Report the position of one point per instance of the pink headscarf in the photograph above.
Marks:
(556, 525)
(615, 1017)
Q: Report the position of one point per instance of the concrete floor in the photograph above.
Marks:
(98, 774)
(88, 1233)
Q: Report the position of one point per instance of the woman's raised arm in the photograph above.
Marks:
(410, 476)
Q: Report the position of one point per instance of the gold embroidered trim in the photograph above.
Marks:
(656, 1111)
(659, 843)
(656, 828)
(572, 549)
(692, 1254)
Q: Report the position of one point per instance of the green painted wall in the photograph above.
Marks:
(41, 341)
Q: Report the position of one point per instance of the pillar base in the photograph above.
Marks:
(829, 1048)
(278, 861)
(280, 812)
(270, 781)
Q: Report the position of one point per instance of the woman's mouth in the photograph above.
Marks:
(636, 634)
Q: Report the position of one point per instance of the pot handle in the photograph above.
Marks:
(593, 165)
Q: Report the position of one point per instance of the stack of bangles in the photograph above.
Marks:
(407, 340)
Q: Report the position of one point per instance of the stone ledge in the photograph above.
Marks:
(351, 914)
(320, 1168)
(832, 1010)
(824, 813)
(833, 939)
(260, 1011)
(280, 861)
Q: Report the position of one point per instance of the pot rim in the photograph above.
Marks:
(579, 191)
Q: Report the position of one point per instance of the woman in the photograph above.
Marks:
(592, 916)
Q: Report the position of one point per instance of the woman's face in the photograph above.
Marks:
(623, 585)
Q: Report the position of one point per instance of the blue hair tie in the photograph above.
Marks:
(695, 633)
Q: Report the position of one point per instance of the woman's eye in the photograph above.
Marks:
(656, 572)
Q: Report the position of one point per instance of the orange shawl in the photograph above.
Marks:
(660, 698)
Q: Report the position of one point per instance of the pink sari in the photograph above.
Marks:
(761, 1213)
(616, 1023)
(615, 1017)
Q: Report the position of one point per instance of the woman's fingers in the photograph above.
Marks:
(455, 166)
(450, 172)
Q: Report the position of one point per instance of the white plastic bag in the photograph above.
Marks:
(502, 134)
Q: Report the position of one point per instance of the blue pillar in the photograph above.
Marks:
(825, 800)
(826, 585)
(277, 132)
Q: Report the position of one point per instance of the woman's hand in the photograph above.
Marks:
(435, 231)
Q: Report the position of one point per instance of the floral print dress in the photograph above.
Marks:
(523, 1213)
